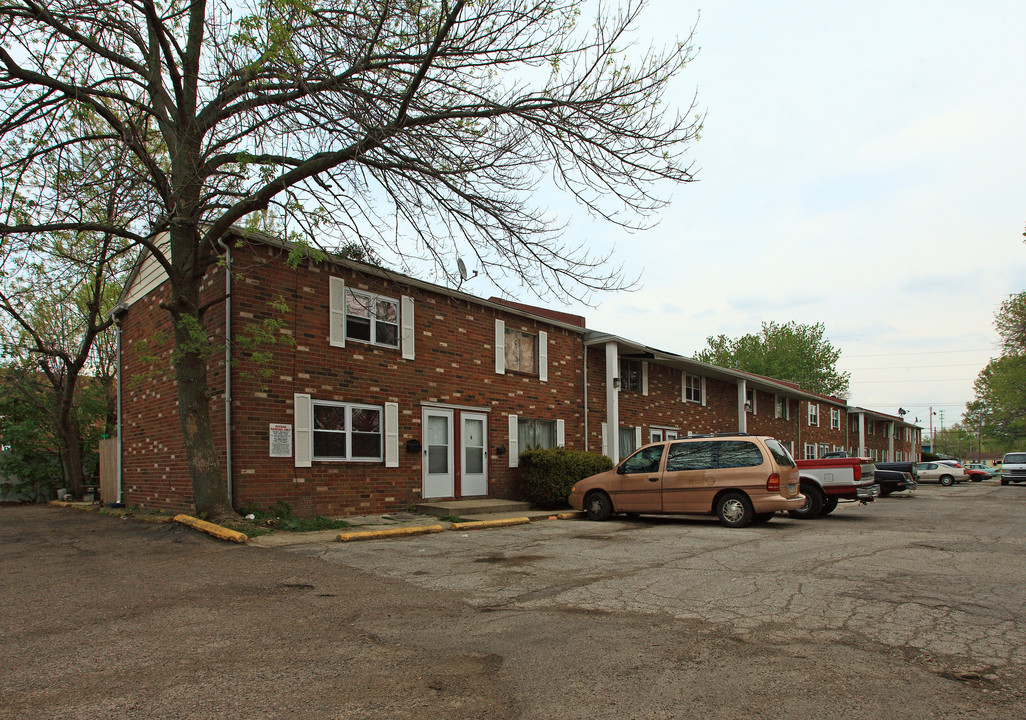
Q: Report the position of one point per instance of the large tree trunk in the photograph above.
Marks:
(210, 492)
(69, 438)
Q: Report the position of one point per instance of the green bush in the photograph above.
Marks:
(550, 474)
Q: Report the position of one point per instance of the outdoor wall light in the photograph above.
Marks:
(501, 450)
(413, 445)
(616, 383)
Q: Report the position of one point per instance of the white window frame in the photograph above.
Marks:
(693, 385)
(810, 451)
(348, 432)
(835, 419)
(659, 434)
(372, 299)
(813, 415)
(781, 407)
(750, 401)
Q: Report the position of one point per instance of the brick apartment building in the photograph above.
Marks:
(395, 390)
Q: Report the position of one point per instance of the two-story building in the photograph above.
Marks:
(386, 390)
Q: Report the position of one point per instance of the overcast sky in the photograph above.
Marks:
(862, 165)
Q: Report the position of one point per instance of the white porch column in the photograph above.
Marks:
(742, 416)
(862, 434)
(890, 442)
(612, 402)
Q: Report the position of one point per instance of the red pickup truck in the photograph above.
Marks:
(827, 481)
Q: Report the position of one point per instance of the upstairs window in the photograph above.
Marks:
(835, 419)
(750, 401)
(521, 352)
(630, 375)
(781, 407)
(693, 389)
(372, 318)
(814, 414)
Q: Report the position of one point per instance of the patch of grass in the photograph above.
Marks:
(279, 517)
(451, 518)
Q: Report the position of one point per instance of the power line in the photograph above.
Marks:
(917, 367)
(924, 352)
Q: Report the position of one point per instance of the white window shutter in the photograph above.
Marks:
(337, 302)
(406, 311)
(637, 437)
(302, 428)
(703, 390)
(644, 378)
(500, 349)
(683, 387)
(391, 434)
(605, 440)
(514, 440)
(560, 433)
(543, 356)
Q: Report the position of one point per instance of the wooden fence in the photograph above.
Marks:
(109, 470)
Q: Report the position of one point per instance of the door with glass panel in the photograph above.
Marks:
(438, 455)
(473, 454)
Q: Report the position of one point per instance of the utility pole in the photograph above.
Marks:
(931, 428)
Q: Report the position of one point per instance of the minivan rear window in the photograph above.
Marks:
(1016, 458)
(709, 454)
(779, 453)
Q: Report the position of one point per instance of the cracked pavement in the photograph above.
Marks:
(938, 573)
(910, 608)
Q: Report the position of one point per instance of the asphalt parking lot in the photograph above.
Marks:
(911, 607)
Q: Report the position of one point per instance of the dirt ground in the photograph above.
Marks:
(108, 618)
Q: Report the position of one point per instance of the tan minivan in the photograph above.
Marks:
(740, 478)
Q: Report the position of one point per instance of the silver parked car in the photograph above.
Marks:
(939, 472)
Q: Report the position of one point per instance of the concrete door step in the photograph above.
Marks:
(477, 506)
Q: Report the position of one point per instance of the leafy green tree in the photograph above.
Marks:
(421, 130)
(58, 286)
(793, 351)
(1000, 403)
(30, 463)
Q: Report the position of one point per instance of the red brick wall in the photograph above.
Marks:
(155, 473)
(662, 407)
(455, 364)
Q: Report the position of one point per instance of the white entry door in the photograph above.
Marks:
(473, 454)
(438, 456)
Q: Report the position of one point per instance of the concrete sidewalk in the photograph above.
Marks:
(395, 520)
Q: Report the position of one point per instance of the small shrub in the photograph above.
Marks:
(549, 475)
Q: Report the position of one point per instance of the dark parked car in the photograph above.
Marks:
(895, 477)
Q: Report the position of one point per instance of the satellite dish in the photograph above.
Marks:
(462, 267)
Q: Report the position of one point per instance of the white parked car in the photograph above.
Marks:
(941, 472)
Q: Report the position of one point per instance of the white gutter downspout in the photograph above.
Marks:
(228, 367)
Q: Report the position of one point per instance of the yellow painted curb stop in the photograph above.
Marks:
(388, 532)
(480, 524)
(221, 533)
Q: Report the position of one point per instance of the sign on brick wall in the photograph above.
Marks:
(281, 440)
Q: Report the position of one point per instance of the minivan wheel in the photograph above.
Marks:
(813, 503)
(734, 510)
(947, 480)
(598, 506)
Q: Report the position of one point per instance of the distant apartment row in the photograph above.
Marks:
(396, 390)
